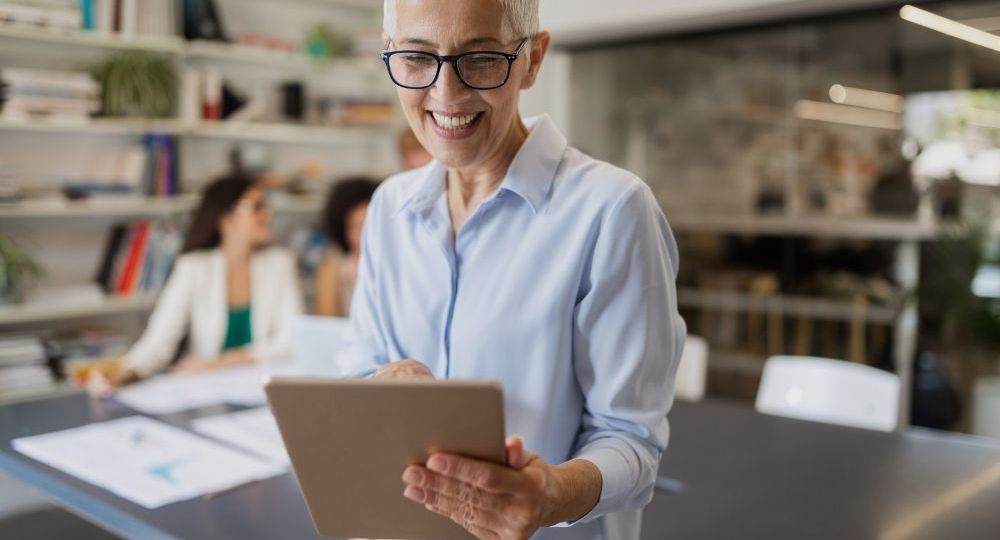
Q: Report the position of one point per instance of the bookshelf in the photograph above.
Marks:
(43, 313)
(812, 307)
(237, 131)
(181, 49)
(136, 207)
(289, 133)
(97, 126)
(339, 149)
(77, 38)
(809, 227)
(107, 207)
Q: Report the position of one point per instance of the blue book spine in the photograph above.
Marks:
(87, 10)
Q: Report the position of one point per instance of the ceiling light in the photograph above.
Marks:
(949, 27)
(869, 99)
(846, 114)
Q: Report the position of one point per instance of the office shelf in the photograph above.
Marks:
(96, 126)
(31, 314)
(105, 207)
(786, 305)
(287, 133)
(826, 227)
(124, 207)
(182, 49)
(237, 131)
(159, 44)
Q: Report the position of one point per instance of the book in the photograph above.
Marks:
(113, 244)
(153, 247)
(138, 257)
(201, 21)
(133, 260)
(88, 13)
(128, 23)
(104, 16)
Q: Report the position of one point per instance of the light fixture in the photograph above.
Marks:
(846, 114)
(869, 99)
(949, 27)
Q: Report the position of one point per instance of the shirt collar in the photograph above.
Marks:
(530, 175)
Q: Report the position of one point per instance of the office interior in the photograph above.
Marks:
(829, 170)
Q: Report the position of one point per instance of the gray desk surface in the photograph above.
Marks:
(749, 475)
(746, 475)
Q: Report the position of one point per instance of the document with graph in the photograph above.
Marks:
(254, 430)
(146, 461)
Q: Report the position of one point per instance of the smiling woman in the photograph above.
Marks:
(516, 258)
(473, 130)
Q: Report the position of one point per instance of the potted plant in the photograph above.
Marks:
(17, 268)
(137, 84)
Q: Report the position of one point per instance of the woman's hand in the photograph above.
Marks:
(194, 364)
(99, 384)
(404, 369)
(507, 503)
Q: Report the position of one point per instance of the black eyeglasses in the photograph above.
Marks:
(480, 70)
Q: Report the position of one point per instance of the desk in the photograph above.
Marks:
(747, 476)
(271, 508)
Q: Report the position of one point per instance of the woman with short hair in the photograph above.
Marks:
(516, 258)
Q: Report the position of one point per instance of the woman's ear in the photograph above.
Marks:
(539, 47)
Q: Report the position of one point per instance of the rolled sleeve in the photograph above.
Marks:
(627, 344)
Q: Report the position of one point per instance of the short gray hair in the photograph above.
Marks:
(521, 17)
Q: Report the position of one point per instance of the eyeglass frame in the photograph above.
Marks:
(453, 60)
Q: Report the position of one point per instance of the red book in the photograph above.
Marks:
(133, 260)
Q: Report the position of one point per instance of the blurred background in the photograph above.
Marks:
(830, 169)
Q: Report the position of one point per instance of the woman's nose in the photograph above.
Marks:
(449, 87)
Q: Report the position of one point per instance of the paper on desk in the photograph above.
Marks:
(174, 392)
(145, 461)
(255, 431)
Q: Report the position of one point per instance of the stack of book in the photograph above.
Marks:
(138, 257)
(23, 368)
(66, 95)
(62, 14)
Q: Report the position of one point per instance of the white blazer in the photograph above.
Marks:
(194, 301)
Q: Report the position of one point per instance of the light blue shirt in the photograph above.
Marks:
(561, 286)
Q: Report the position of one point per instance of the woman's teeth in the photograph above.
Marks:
(454, 122)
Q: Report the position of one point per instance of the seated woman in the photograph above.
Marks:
(230, 293)
(343, 217)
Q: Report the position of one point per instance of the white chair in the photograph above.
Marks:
(323, 346)
(691, 372)
(831, 391)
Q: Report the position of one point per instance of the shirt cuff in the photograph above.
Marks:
(618, 466)
(142, 369)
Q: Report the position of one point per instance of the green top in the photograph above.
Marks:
(238, 329)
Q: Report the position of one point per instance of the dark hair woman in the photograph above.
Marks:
(343, 217)
(217, 201)
(230, 293)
